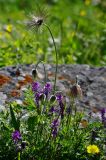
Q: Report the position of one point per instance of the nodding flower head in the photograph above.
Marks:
(16, 136)
(76, 91)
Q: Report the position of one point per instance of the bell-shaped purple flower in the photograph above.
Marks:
(16, 136)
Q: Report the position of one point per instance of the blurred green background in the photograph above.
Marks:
(78, 26)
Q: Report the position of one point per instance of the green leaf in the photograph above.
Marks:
(31, 122)
(15, 122)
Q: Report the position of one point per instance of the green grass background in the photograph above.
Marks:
(79, 29)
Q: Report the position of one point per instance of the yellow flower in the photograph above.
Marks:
(93, 149)
(87, 2)
(0, 34)
(82, 13)
(9, 28)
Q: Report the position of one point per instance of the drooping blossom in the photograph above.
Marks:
(76, 91)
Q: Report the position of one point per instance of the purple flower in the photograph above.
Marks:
(59, 98)
(52, 109)
(35, 86)
(54, 126)
(103, 115)
(37, 98)
(47, 89)
(16, 136)
(54, 132)
(55, 123)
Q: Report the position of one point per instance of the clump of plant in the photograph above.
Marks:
(46, 127)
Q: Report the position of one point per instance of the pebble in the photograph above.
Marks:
(91, 79)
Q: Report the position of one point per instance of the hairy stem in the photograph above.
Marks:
(55, 52)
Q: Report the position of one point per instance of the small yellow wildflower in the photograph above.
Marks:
(73, 34)
(87, 2)
(82, 13)
(0, 34)
(9, 28)
(93, 149)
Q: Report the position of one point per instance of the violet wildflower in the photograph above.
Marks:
(37, 98)
(54, 132)
(35, 86)
(54, 126)
(47, 89)
(55, 123)
(59, 98)
(103, 115)
(16, 136)
(52, 109)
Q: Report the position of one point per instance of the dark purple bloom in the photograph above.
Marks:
(55, 123)
(103, 115)
(59, 98)
(103, 111)
(47, 89)
(37, 98)
(52, 109)
(23, 144)
(35, 86)
(54, 132)
(54, 126)
(16, 136)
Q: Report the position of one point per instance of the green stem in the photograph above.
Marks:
(19, 156)
(56, 54)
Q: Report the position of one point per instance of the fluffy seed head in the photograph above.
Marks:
(36, 20)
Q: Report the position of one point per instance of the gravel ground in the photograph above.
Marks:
(15, 79)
